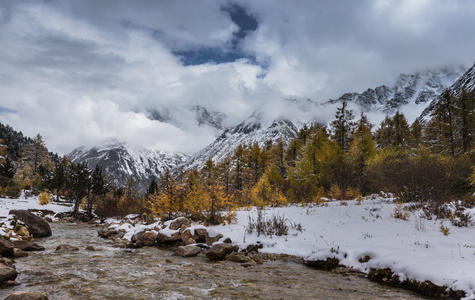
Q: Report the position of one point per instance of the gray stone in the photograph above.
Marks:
(106, 232)
(27, 296)
(66, 247)
(27, 246)
(177, 223)
(219, 251)
(238, 257)
(149, 238)
(37, 226)
(210, 240)
(164, 239)
(7, 273)
(6, 248)
(187, 251)
(19, 253)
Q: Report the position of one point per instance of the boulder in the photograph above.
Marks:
(27, 296)
(106, 232)
(238, 257)
(37, 226)
(200, 235)
(137, 237)
(7, 273)
(164, 239)
(187, 237)
(22, 230)
(210, 240)
(27, 246)
(6, 248)
(219, 251)
(66, 247)
(187, 251)
(19, 253)
(149, 238)
(177, 223)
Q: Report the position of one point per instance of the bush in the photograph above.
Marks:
(45, 197)
(418, 177)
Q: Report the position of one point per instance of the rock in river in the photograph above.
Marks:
(7, 273)
(187, 251)
(66, 247)
(6, 248)
(37, 225)
(219, 251)
(27, 246)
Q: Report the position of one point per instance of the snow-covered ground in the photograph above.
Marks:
(30, 203)
(414, 249)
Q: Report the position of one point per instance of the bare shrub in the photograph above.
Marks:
(275, 224)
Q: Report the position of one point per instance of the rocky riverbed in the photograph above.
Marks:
(98, 268)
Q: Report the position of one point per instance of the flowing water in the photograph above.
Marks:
(153, 273)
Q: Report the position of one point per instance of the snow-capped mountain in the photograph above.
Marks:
(253, 130)
(200, 114)
(466, 81)
(120, 161)
(418, 89)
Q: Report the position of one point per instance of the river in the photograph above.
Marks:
(153, 273)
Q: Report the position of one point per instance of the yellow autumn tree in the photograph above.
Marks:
(267, 191)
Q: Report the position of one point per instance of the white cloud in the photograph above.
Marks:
(80, 76)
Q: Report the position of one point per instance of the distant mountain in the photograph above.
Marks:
(418, 89)
(201, 115)
(120, 161)
(211, 118)
(466, 81)
(253, 130)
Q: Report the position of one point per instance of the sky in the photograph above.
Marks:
(84, 73)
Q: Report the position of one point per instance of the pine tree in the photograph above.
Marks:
(79, 181)
(343, 127)
(401, 130)
(59, 180)
(238, 162)
(465, 118)
(416, 133)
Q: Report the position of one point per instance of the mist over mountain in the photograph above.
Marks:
(466, 81)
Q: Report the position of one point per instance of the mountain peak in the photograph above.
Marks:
(121, 161)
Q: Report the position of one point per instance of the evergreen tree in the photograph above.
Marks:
(343, 127)
(384, 134)
(79, 181)
(238, 162)
(465, 118)
(416, 133)
(401, 130)
(98, 188)
(59, 180)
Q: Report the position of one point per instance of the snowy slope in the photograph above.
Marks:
(121, 161)
(415, 90)
(466, 81)
(253, 130)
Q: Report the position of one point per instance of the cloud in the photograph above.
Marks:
(84, 72)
